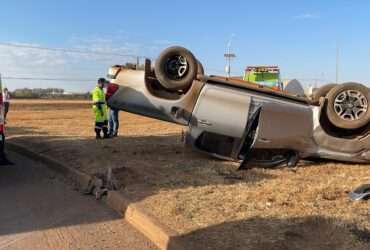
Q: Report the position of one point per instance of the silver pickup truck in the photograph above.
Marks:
(237, 120)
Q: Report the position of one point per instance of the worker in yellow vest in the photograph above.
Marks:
(100, 109)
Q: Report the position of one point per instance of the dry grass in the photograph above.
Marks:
(199, 196)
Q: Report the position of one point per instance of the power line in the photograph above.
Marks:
(64, 50)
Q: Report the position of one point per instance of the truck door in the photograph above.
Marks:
(219, 119)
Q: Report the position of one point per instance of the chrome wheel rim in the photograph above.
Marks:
(177, 67)
(350, 105)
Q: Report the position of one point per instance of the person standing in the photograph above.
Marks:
(4, 94)
(100, 109)
(113, 122)
(6, 100)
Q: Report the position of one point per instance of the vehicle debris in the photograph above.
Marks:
(361, 193)
(100, 184)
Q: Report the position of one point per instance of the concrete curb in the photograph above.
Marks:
(161, 235)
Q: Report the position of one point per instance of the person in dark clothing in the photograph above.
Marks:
(6, 100)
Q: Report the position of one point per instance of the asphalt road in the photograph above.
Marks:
(40, 210)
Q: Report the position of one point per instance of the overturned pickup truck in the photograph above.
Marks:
(237, 120)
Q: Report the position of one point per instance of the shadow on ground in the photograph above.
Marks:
(34, 198)
(271, 233)
(165, 163)
(146, 165)
(143, 165)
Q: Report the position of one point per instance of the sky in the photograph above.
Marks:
(301, 37)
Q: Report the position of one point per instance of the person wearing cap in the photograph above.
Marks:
(100, 109)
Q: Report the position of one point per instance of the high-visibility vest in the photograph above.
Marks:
(98, 95)
(99, 105)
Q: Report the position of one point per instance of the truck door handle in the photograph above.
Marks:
(264, 140)
(205, 122)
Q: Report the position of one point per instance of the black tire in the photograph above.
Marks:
(323, 91)
(200, 68)
(342, 101)
(176, 68)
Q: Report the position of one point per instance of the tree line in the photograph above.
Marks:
(48, 93)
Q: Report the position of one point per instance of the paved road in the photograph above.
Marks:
(38, 210)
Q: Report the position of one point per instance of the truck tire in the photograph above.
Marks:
(322, 92)
(348, 106)
(176, 68)
(200, 68)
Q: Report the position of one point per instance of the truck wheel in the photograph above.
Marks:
(176, 68)
(348, 106)
(200, 68)
(322, 92)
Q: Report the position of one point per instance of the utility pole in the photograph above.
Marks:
(137, 62)
(228, 55)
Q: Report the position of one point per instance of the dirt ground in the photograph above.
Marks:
(206, 200)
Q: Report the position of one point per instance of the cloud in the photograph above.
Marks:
(306, 16)
(109, 46)
(28, 62)
(110, 50)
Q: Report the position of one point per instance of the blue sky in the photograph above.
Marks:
(299, 36)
